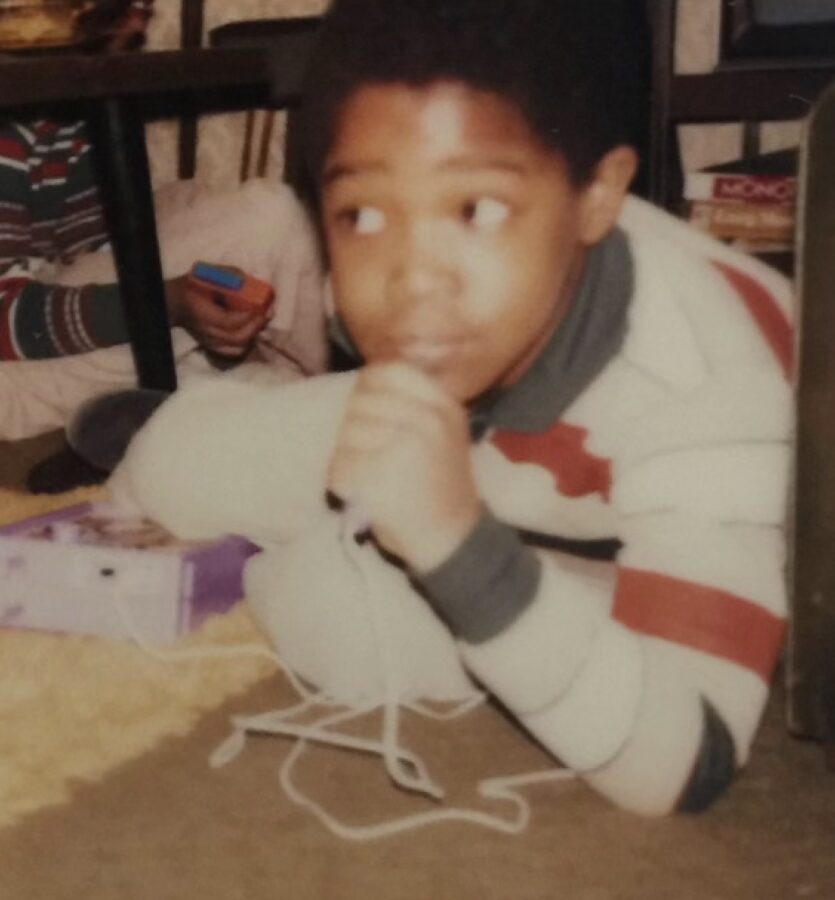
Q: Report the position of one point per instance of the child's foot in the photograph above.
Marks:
(102, 428)
(97, 439)
(63, 471)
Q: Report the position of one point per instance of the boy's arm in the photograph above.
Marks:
(650, 686)
(654, 703)
(221, 456)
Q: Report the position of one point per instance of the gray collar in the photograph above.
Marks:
(588, 337)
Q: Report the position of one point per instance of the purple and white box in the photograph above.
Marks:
(89, 569)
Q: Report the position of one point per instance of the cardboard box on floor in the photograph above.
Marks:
(88, 569)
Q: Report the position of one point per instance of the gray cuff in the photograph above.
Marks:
(486, 584)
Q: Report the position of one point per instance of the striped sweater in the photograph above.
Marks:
(50, 212)
(647, 674)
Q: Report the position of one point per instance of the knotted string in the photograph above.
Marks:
(405, 768)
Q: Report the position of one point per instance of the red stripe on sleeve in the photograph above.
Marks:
(12, 149)
(762, 306)
(703, 618)
(10, 289)
(561, 450)
(57, 169)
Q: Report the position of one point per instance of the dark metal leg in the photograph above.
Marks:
(118, 134)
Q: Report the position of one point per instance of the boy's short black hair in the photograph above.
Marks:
(574, 68)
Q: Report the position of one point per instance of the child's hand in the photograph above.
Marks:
(402, 460)
(219, 330)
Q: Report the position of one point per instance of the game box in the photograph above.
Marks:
(91, 569)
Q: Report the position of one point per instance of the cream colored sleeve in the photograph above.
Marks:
(223, 457)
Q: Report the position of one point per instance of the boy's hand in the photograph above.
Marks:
(220, 330)
(402, 460)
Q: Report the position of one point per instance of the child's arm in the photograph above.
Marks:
(42, 321)
(221, 456)
(402, 462)
(653, 704)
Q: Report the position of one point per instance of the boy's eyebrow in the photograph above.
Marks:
(346, 170)
(453, 163)
(481, 163)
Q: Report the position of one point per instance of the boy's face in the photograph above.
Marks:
(456, 238)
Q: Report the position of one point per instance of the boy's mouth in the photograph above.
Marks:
(430, 355)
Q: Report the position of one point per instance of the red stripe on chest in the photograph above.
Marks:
(561, 451)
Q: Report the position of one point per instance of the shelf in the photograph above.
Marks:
(742, 94)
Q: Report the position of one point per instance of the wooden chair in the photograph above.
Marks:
(290, 37)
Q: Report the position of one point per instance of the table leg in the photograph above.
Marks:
(117, 130)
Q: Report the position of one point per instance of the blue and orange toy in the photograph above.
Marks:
(232, 289)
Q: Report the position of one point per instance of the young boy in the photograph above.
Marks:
(548, 365)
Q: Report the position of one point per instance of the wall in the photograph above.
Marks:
(221, 137)
(697, 50)
(220, 140)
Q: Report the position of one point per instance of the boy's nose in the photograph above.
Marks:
(423, 269)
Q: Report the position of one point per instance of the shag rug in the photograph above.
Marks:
(75, 707)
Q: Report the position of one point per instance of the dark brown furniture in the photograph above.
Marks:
(288, 40)
(117, 94)
(811, 657)
(750, 90)
(289, 43)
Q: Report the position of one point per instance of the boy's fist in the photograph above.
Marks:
(402, 460)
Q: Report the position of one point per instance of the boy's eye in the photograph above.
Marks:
(486, 213)
(364, 219)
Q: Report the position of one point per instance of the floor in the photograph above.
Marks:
(166, 826)
(17, 457)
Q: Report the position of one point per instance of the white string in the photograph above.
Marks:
(417, 779)
(461, 708)
(278, 722)
(187, 654)
(405, 768)
(493, 789)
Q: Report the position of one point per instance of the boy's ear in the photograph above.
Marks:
(603, 196)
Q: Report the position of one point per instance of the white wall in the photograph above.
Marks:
(220, 141)
(221, 137)
(697, 50)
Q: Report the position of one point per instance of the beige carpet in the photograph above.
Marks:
(73, 707)
(17, 457)
(105, 792)
(164, 826)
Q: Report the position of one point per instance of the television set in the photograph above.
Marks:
(794, 30)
